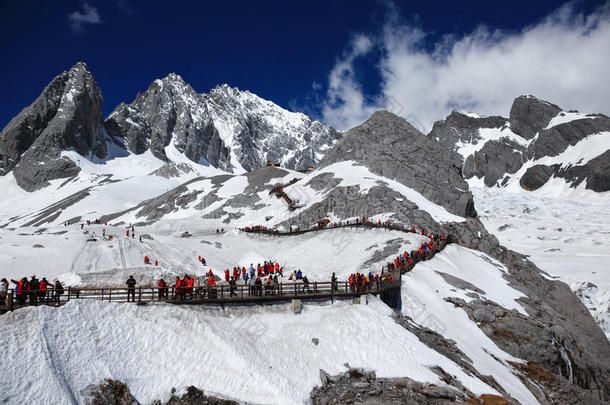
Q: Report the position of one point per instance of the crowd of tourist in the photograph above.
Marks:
(260, 280)
(34, 290)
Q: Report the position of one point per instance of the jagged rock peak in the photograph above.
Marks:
(528, 115)
(534, 137)
(227, 128)
(390, 146)
(67, 115)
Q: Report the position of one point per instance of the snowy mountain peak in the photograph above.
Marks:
(228, 128)
(67, 115)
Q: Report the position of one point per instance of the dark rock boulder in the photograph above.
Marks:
(553, 141)
(360, 386)
(494, 160)
(111, 392)
(460, 127)
(528, 115)
(536, 177)
(195, 396)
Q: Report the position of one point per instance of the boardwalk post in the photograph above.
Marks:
(69, 293)
(9, 300)
(140, 294)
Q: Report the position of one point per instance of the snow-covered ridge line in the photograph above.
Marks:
(227, 128)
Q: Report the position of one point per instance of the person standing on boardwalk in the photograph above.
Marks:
(162, 289)
(59, 291)
(233, 284)
(178, 289)
(131, 288)
(3, 290)
(33, 287)
(44, 285)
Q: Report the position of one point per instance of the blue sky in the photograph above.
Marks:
(283, 51)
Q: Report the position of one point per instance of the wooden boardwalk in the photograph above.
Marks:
(220, 294)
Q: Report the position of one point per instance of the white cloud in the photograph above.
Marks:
(88, 15)
(564, 59)
(345, 102)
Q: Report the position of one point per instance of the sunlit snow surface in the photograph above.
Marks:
(259, 354)
(569, 238)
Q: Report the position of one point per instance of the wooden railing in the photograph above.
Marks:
(349, 224)
(278, 190)
(218, 294)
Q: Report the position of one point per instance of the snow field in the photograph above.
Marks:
(262, 355)
(568, 238)
(318, 254)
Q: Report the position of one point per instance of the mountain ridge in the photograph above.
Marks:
(538, 144)
(228, 128)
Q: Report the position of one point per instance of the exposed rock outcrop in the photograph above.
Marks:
(496, 148)
(67, 115)
(362, 386)
(559, 329)
(528, 115)
(391, 147)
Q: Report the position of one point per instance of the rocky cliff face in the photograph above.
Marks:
(227, 128)
(67, 115)
(538, 142)
(391, 147)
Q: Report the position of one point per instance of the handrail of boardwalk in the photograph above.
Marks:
(219, 294)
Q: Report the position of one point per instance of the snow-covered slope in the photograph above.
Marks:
(477, 318)
(225, 352)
